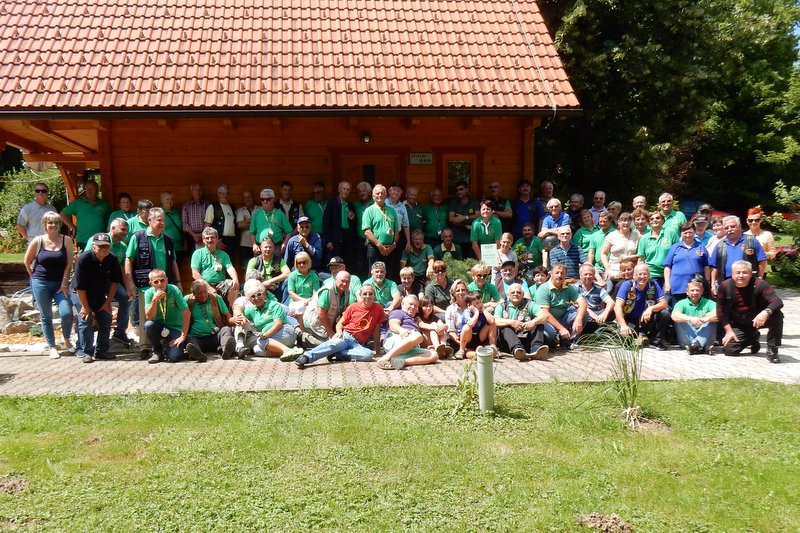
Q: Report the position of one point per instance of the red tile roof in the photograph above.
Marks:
(238, 54)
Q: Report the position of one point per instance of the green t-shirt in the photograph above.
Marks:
(674, 221)
(91, 217)
(303, 286)
(382, 222)
(486, 233)
(169, 312)
(119, 249)
(583, 237)
(360, 207)
(355, 284)
(383, 295)
(534, 250)
(416, 217)
(264, 318)
(489, 291)
(135, 224)
(596, 244)
(213, 267)
(470, 209)
(273, 224)
(324, 299)
(653, 250)
(173, 226)
(203, 315)
(119, 213)
(314, 210)
(558, 300)
(435, 220)
(703, 307)
(418, 260)
(157, 246)
(511, 312)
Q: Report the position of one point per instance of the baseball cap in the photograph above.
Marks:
(705, 207)
(508, 264)
(302, 219)
(335, 260)
(101, 239)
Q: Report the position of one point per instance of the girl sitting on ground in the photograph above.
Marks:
(433, 329)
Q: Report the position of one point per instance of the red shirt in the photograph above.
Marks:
(360, 321)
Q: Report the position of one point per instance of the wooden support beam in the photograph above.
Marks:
(22, 143)
(57, 157)
(43, 127)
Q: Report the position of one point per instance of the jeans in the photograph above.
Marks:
(86, 330)
(161, 344)
(285, 335)
(346, 346)
(687, 333)
(210, 343)
(124, 309)
(45, 291)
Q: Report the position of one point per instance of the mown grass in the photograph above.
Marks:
(727, 459)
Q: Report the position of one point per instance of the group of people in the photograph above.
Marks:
(357, 280)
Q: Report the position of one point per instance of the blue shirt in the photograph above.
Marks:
(636, 300)
(551, 223)
(684, 262)
(735, 253)
(572, 257)
(293, 247)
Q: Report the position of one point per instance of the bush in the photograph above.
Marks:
(787, 263)
(459, 269)
(16, 190)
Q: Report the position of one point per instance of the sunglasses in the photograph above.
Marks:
(480, 275)
(754, 220)
(301, 262)
(256, 295)
(440, 271)
(42, 191)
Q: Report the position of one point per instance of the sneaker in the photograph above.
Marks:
(242, 351)
(574, 346)
(460, 354)
(105, 356)
(520, 354)
(772, 356)
(397, 363)
(291, 354)
(755, 347)
(301, 361)
(70, 348)
(122, 338)
(195, 354)
(696, 347)
(154, 358)
(711, 350)
(448, 352)
(79, 353)
(54, 354)
(540, 352)
(87, 358)
(229, 349)
(146, 353)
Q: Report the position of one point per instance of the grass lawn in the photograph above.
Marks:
(727, 459)
(11, 258)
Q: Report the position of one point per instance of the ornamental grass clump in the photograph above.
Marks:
(626, 356)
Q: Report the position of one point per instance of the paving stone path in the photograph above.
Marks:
(27, 374)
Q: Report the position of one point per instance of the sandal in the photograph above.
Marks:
(385, 364)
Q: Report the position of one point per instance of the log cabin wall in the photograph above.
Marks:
(145, 157)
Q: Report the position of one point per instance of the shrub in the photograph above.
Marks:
(786, 263)
(16, 190)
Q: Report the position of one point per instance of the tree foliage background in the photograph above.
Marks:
(699, 97)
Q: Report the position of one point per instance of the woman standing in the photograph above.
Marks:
(754, 218)
(50, 279)
(486, 229)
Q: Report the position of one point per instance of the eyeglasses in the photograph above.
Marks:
(440, 271)
(42, 191)
(754, 220)
(267, 199)
(480, 275)
(256, 295)
(301, 262)
(368, 295)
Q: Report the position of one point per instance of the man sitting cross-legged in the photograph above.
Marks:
(641, 308)
(270, 335)
(360, 322)
(209, 329)
(520, 326)
(404, 338)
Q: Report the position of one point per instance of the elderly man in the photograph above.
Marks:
(386, 293)
(562, 306)
(290, 207)
(97, 275)
(270, 335)
(359, 323)
(29, 220)
(555, 219)
(462, 212)
(734, 247)
(193, 215)
(598, 206)
(167, 319)
(419, 257)
(599, 304)
(335, 265)
(639, 202)
(149, 249)
(525, 209)
(395, 193)
(325, 309)
(339, 220)
(502, 206)
(221, 216)
(269, 222)
(416, 213)
(567, 253)
(243, 216)
(209, 329)
(447, 248)
(211, 264)
(314, 208)
(695, 319)
(746, 304)
(304, 241)
(520, 326)
(404, 338)
(641, 308)
(435, 216)
(673, 219)
(381, 227)
(508, 277)
(574, 210)
(91, 213)
(360, 205)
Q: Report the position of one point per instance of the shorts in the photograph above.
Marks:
(392, 339)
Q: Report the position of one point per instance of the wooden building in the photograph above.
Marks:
(158, 94)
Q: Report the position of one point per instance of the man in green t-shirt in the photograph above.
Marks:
(386, 293)
(166, 318)
(90, 212)
(209, 328)
(563, 305)
(211, 264)
(270, 335)
(695, 319)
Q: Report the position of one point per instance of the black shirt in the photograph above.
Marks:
(94, 277)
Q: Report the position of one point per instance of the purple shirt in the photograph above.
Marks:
(406, 322)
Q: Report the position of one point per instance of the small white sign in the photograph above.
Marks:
(489, 254)
(420, 158)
